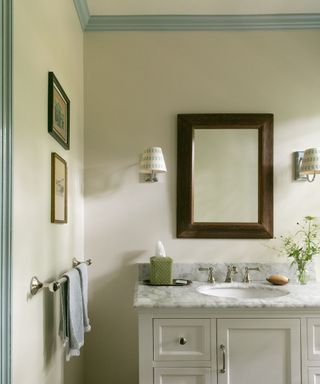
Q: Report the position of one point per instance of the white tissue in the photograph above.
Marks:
(160, 251)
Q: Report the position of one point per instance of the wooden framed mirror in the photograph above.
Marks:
(225, 176)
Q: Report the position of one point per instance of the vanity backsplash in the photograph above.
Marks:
(191, 271)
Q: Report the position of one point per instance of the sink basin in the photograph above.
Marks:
(242, 291)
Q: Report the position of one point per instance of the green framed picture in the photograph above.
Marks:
(58, 112)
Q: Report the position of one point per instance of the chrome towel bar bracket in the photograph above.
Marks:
(54, 285)
(76, 262)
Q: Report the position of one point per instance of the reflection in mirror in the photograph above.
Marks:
(225, 175)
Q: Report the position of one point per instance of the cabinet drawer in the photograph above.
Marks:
(181, 339)
(314, 375)
(313, 339)
(182, 376)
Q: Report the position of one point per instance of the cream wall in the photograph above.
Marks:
(47, 37)
(135, 85)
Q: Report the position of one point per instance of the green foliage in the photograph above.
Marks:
(304, 244)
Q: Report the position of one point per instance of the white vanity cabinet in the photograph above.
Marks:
(228, 347)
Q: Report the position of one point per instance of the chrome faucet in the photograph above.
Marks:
(246, 277)
(211, 279)
(231, 271)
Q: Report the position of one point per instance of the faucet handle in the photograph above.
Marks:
(211, 279)
(246, 277)
(231, 270)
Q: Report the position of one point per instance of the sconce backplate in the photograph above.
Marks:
(298, 156)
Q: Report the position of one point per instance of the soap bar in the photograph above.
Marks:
(278, 279)
(160, 270)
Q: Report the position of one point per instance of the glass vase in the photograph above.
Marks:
(302, 275)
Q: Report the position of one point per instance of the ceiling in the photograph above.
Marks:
(201, 7)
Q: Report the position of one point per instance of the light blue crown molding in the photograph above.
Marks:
(202, 22)
(83, 12)
(5, 189)
(193, 22)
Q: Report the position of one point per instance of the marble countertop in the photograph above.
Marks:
(298, 297)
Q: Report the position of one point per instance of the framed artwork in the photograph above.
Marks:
(58, 112)
(59, 189)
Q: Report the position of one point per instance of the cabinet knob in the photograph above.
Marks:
(183, 341)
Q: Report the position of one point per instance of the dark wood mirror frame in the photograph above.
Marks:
(186, 227)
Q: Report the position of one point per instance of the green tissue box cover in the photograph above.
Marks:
(160, 270)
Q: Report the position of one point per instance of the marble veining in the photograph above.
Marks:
(191, 271)
(295, 297)
(298, 297)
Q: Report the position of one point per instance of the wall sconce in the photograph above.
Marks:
(307, 163)
(152, 162)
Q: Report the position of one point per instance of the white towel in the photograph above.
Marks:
(83, 271)
(71, 319)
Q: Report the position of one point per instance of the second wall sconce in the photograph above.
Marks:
(307, 164)
(151, 163)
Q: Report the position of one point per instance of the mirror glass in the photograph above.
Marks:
(225, 175)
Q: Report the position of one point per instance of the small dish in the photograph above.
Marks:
(175, 283)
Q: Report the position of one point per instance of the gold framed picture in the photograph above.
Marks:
(58, 112)
(59, 189)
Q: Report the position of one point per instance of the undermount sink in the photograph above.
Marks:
(241, 291)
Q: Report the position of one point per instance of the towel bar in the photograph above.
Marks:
(54, 285)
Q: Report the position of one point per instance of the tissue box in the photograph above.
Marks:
(160, 270)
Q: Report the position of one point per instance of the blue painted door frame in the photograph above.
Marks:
(5, 189)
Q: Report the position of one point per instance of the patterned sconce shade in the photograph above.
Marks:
(311, 162)
(152, 162)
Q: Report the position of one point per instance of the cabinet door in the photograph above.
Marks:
(181, 376)
(262, 351)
